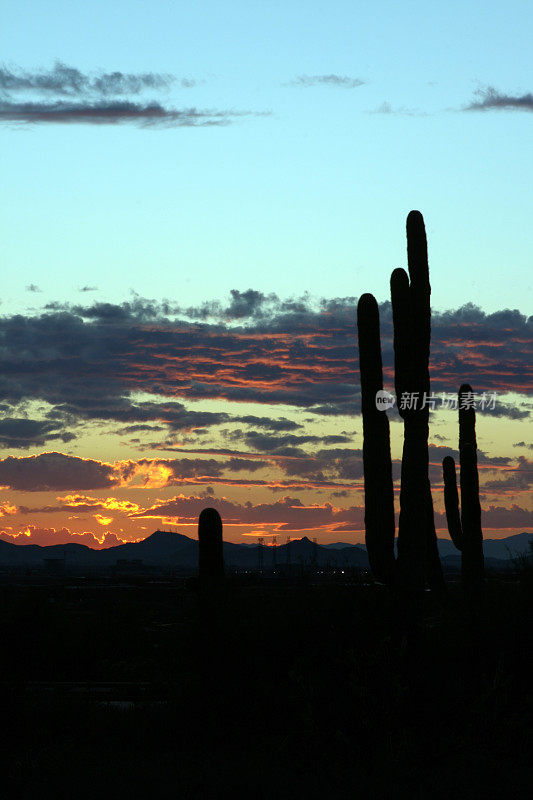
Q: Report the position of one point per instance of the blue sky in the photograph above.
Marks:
(199, 148)
(312, 195)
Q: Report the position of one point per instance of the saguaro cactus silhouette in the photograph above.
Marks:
(418, 558)
(465, 527)
(210, 547)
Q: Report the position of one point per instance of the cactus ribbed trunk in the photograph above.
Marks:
(379, 493)
(418, 558)
(417, 542)
(451, 502)
(465, 529)
(472, 561)
(210, 547)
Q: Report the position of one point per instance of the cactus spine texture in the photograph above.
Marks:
(418, 558)
(465, 528)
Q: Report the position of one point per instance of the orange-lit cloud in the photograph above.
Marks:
(7, 508)
(105, 521)
(33, 534)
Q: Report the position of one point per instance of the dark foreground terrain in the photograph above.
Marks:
(275, 689)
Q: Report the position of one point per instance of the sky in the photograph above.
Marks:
(195, 195)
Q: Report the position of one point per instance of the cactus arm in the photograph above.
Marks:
(210, 546)
(400, 300)
(451, 502)
(411, 541)
(379, 496)
(417, 545)
(472, 561)
(434, 573)
(420, 290)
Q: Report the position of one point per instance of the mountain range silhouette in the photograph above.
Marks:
(164, 549)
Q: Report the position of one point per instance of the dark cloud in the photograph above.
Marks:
(437, 453)
(139, 428)
(89, 289)
(326, 465)
(282, 424)
(343, 81)
(507, 518)
(55, 472)
(291, 514)
(69, 81)
(115, 112)
(246, 465)
(508, 410)
(90, 363)
(242, 306)
(491, 99)
(288, 514)
(287, 444)
(18, 433)
(67, 96)
(519, 479)
(33, 288)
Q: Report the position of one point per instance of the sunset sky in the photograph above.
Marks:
(195, 195)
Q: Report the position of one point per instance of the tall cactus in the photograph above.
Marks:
(210, 547)
(465, 528)
(418, 558)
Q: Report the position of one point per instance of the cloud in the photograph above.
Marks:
(33, 288)
(490, 99)
(507, 518)
(88, 289)
(291, 514)
(511, 481)
(81, 503)
(116, 112)
(66, 95)
(287, 444)
(20, 432)
(437, 453)
(282, 424)
(242, 306)
(246, 464)
(386, 108)
(33, 534)
(496, 517)
(342, 81)
(55, 472)
(288, 514)
(7, 509)
(62, 79)
(90, 363)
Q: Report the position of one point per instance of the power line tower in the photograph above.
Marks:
(314, 561)
(260, 544)
(274, 552)
(288, 553)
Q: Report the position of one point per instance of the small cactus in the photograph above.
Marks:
(210, 547)
(465, 527)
